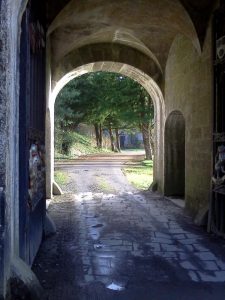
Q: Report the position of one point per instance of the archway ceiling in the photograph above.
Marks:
(149, 29)
(117, 53)
(113, 35)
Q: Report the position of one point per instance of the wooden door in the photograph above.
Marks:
(32, 131)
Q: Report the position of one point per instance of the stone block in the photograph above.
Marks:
(188, 265)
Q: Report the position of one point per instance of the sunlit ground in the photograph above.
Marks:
(140, 175)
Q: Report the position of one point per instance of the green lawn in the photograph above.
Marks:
(61, 177)
(140, 175)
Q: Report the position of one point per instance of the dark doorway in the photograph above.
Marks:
(175, 155)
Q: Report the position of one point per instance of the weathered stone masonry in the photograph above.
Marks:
(3, 138)
(189, 89)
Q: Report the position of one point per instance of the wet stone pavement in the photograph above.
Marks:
(128, 245)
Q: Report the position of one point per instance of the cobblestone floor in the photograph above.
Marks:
(128, 245)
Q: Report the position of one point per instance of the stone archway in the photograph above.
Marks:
(93, 34)
(175, 155)
(145, 80)
(150, 25)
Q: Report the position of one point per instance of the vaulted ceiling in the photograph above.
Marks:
(147, 26)
(199, 11)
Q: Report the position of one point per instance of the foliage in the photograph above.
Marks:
(77, 144)
(64, 140)
(105, 100)
(61, 177)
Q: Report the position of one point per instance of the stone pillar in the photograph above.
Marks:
(49, 142)
(49, 127)
(4, 111)
(2, 201)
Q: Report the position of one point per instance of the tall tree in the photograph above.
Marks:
(107, 100)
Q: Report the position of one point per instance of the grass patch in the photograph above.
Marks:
(59, 156)
(79, 145)
(61, 177)
(148, 163)
(133, 150)
(140, 175)
(105, 186)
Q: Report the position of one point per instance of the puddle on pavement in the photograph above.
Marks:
(95, 235)
(97, 225)
(98, 246)
(115, 287)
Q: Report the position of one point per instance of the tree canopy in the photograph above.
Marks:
(107, 101)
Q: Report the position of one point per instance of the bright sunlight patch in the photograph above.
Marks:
(140, 174)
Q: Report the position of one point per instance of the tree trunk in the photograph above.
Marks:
(97, 135)
(146, 140)
(100, 136)
(117, 140)
(111, 139)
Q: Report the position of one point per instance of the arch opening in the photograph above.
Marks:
(112, 112)
(175, 155)
(143, 79)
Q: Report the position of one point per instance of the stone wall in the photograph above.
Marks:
(188, 89)
(10, 17)
(3, 138)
